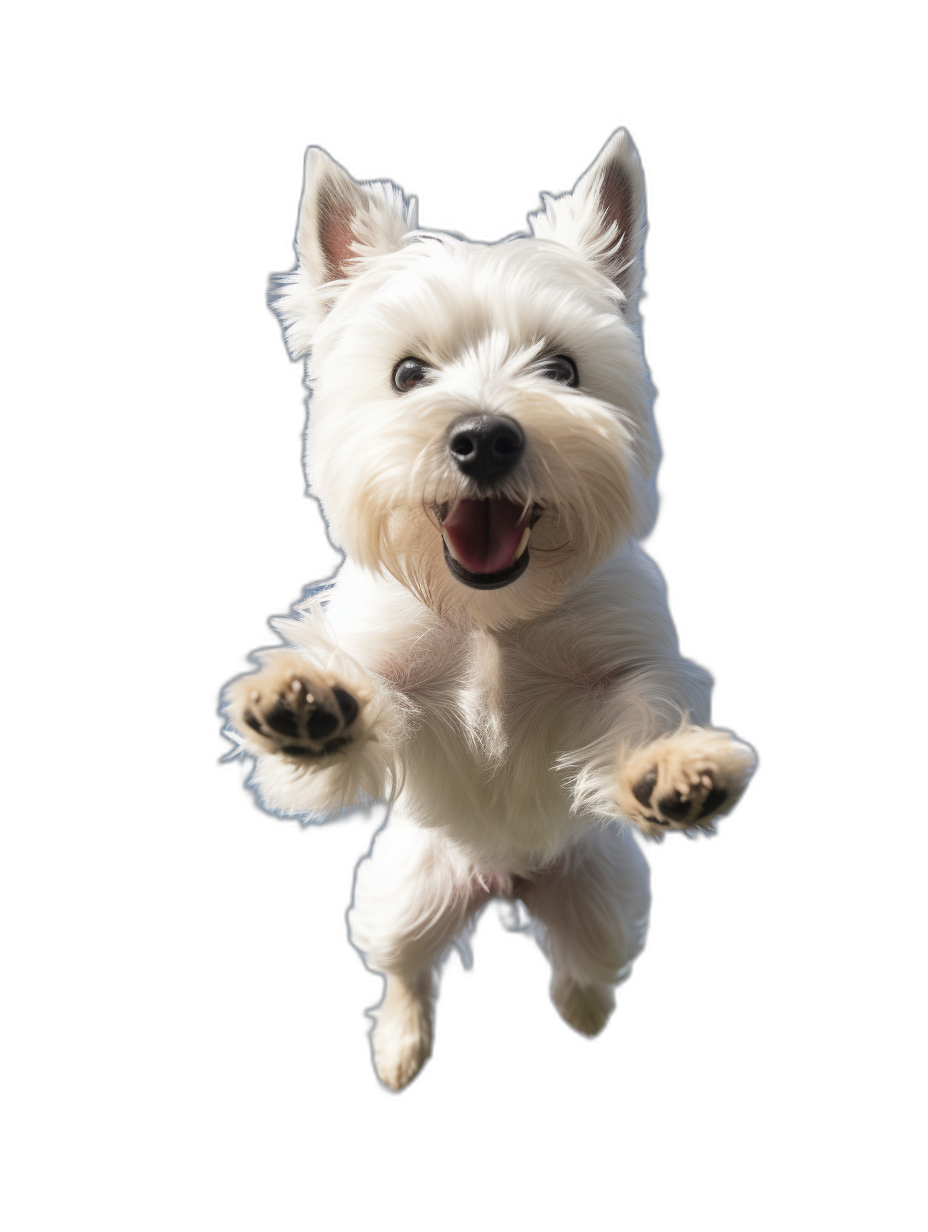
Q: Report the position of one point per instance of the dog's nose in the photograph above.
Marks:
(485, 446)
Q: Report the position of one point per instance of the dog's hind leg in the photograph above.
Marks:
(414, 895)
(590, 913)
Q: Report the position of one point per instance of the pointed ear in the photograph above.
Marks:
(342, 224)
(603, 218)
(341, 219)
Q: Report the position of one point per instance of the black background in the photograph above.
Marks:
(711, 1010)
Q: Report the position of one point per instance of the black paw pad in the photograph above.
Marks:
(675, 807)
(300, 723)
(644, 788)
(321, 723)
(347, 705)
(715, 799)
(282, 720)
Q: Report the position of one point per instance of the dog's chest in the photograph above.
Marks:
(488, 721)
(486, 702)
(489, 698)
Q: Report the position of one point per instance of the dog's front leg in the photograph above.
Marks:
(322, 730)
(655, 758)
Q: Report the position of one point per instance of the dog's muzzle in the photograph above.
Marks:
(486, 540)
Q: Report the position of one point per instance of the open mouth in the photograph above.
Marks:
(486, 541)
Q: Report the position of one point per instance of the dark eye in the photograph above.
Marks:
(409, 373)
(561, 368)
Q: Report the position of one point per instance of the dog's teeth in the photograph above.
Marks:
(451, 552)
(523, 543)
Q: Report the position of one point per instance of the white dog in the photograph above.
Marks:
(496, 657)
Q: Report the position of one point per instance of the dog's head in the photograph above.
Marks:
(480, 421)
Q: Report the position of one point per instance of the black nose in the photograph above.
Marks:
(485, 446)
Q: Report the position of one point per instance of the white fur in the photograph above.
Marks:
(514, 728)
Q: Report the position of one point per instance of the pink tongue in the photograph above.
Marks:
(485, 533)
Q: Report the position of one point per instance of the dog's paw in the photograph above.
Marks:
(585, 1007)
(291, 709)
(402, 1037)
(684, 781)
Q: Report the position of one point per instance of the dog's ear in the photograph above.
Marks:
(342, 224)
(341, 220)
(603, 218)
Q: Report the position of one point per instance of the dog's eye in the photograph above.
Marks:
(409, 373)
(561, 368)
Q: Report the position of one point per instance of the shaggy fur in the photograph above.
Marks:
(521, 731)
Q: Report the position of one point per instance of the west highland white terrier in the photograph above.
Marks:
(496, 658)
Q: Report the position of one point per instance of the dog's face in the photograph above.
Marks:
(480, 418)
